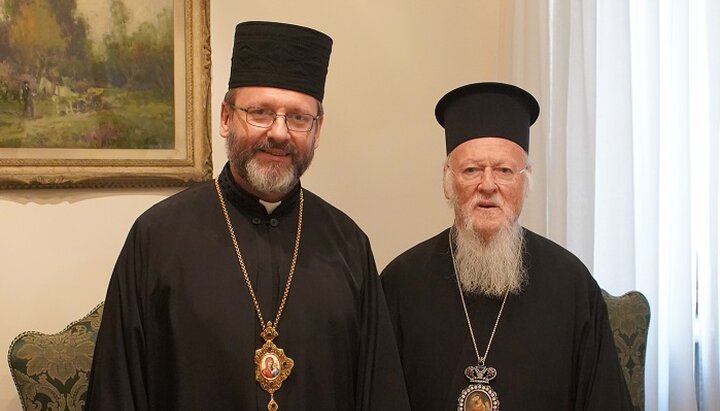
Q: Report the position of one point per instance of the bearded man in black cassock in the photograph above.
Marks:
(488, 308)
(224, 278)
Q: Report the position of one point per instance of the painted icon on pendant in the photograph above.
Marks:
(478, 401)
(270, 366)
(478, 397)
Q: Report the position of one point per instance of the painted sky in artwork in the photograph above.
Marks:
(98, 13)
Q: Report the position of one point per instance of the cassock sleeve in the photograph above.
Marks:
(117, 376)
(381, 384)
(601, 383)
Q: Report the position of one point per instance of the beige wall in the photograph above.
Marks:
(379, 159)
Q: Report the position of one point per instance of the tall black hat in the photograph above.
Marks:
(280, 55)
(487, 110)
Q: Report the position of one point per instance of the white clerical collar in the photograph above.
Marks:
(269, 207)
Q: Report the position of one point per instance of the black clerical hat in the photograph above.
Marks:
(487, 110)
(280, 55)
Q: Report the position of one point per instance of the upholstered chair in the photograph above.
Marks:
(51, 371)
(630, 320)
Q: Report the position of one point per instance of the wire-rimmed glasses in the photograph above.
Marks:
(264, 118)
(473, 174)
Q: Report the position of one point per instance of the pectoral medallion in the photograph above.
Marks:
(479, 396)
(272, 366)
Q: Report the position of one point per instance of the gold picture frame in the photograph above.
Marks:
(184, 161)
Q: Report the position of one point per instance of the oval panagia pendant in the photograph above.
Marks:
(478, 397)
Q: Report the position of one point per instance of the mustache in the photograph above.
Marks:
(269, 144)
(481, 199)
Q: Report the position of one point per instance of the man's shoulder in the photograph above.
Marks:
(420, 271)
(320, 208)
(555, 263)
(421, 254)
(539, 246)
(184, 204)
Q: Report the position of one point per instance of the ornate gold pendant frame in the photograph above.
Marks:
(272, 366)
(480, 397)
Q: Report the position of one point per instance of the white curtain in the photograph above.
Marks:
(627, 148)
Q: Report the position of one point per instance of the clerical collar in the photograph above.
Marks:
(269, 207)
(251, 204)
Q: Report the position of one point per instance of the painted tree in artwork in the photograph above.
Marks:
(116, 42)
(35, 37)
(152, 49)
(77, 61)
(141, 59)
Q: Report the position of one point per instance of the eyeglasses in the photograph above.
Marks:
(265, 118)
(473, 174)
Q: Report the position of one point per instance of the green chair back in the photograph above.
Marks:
(51, 371)
(630, 321)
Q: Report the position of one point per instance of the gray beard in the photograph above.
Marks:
(275, 179)
(490, 267)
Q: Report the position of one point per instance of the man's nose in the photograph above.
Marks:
(278, 129)
(487, 182)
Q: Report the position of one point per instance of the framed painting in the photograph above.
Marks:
(104, 93)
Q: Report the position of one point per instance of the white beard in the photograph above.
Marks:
(490, 267)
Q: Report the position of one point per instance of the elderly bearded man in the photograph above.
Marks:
(251, 266)
(487, 306)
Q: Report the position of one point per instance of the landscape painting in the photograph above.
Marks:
(98, 92)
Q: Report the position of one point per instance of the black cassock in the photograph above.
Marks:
(179, 330)
(553, 348)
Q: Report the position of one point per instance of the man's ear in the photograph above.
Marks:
(446, 189)
(317, 132)
(225, 119)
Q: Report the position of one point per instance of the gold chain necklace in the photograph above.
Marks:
(272, 366)
(479, 390)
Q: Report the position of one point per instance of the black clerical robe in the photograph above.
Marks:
(553, 348)
(179, 330)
